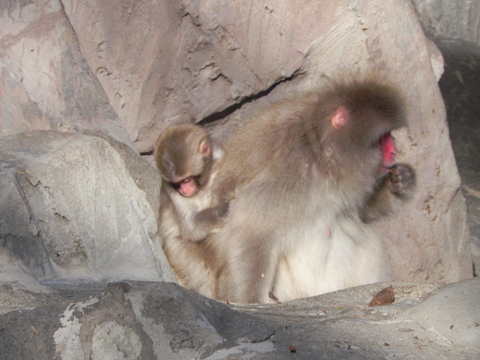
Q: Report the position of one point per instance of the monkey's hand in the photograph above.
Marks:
(402, 181)
(212, 216)
(221, 210)
(398, 186)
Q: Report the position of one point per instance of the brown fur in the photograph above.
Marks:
(184, 151)
(304, 191)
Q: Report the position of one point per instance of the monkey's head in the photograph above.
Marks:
(357, 123)
(183, 154)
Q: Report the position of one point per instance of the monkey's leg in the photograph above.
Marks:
(189, 262)
(251, 242)
(249, 270)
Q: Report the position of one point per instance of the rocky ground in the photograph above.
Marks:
(145, 320)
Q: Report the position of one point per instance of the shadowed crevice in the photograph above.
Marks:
(220, 115)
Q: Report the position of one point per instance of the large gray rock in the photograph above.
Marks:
(19, 289)
(450, 18)
(46, 82)
(135, 320)
(162, 62)
(460, 86)
(452, 315)
(74, 206)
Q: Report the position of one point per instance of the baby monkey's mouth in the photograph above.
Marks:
(188, 186)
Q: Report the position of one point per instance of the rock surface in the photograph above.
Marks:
(450, 18)
(45, 81)
(72, 207)
(138, 320)
(460, 86)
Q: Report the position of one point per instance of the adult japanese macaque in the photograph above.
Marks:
(308, 175)
(187, 159)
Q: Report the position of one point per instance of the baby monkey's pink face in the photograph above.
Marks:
(188, 187)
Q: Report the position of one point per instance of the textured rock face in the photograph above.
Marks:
(71, 207)
(455, 19)
(46, 82)
(136, 320)
(455, 28)
(460, 86)
(166, 62)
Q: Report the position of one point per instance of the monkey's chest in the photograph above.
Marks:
(187, 208)
(328, 257)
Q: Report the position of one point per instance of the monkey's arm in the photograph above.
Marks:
(188, 259)
(397, 187)
(203, 222)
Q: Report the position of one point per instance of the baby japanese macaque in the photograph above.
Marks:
(187, 160)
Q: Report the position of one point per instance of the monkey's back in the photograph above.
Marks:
(277, 138)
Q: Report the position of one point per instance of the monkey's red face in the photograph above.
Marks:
(387, 145)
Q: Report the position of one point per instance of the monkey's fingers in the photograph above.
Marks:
(402, 179)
